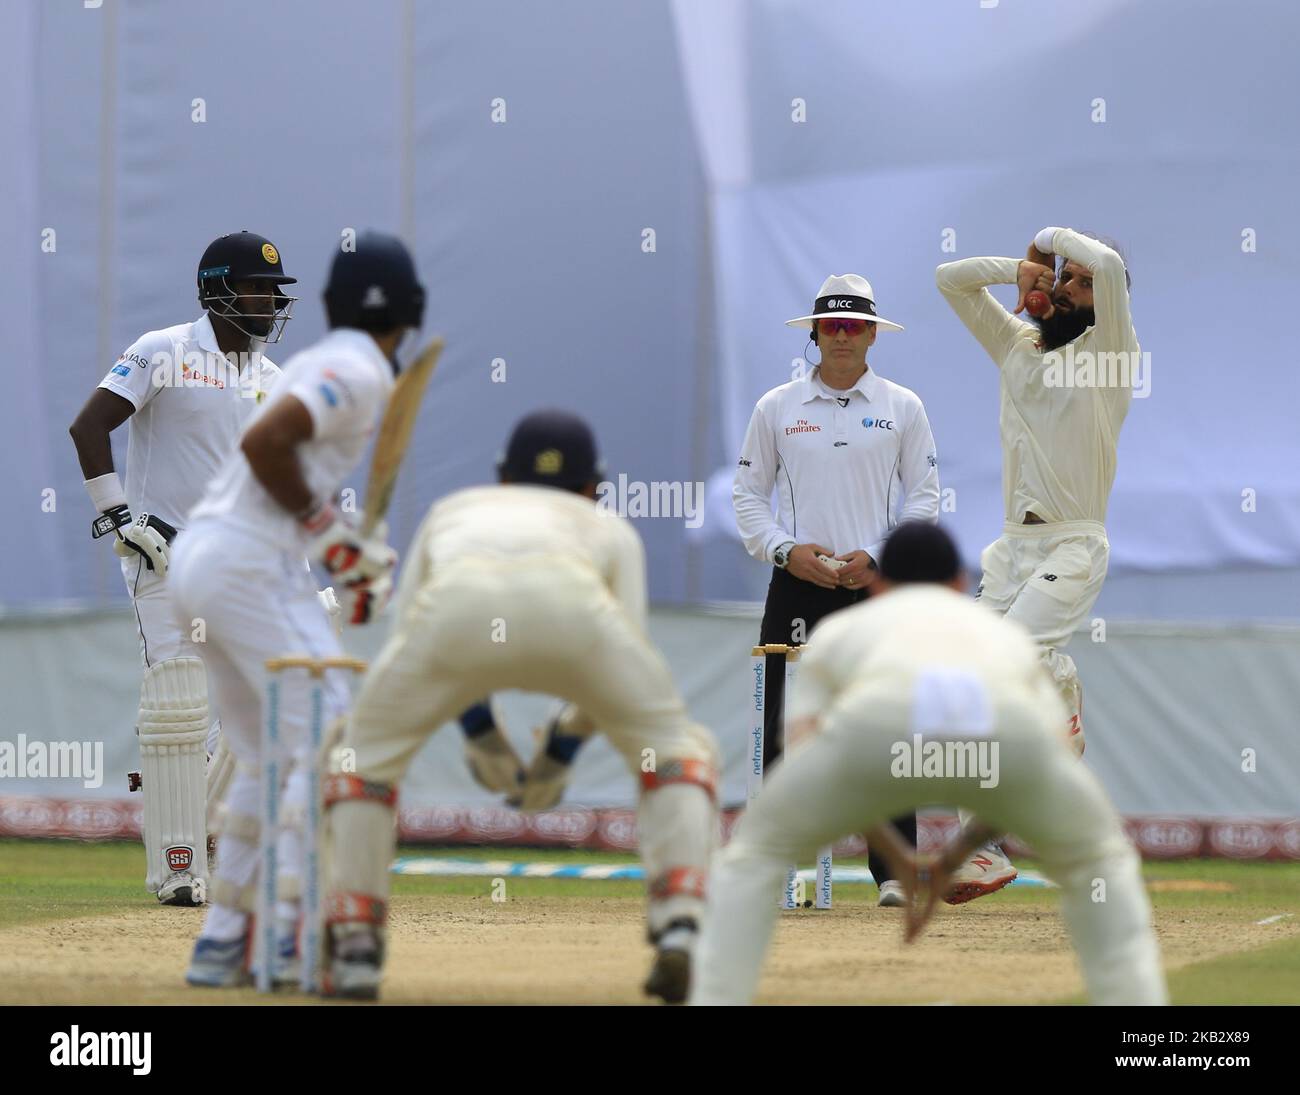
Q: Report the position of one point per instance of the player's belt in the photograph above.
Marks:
(1052, 529)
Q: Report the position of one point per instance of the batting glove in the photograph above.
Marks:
(146, 535)
(363, 601)
(348, 557)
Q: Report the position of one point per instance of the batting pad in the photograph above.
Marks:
(173, 726)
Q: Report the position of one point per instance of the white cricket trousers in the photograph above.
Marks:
(540, 624)
(1047, 578)
(163, 635)
(255, 601)
(839, 781)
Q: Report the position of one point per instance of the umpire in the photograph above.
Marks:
(850, 455)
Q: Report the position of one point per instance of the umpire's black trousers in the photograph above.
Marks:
(791, 600)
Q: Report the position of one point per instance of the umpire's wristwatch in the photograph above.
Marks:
(781, 556)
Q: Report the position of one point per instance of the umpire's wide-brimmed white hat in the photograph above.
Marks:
(847, 295)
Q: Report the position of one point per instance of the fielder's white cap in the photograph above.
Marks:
(847, 295)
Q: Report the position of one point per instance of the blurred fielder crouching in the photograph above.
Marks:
(526, 585)
(926, 666)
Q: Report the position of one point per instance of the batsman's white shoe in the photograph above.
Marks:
(182, 889)
(986, 872)
(287, 966)
(892, 895)
(218, 965)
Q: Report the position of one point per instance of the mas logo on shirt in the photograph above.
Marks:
(802, 425)
(270, 254)
(878, 423)
(136, 358)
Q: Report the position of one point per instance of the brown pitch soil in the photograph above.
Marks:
(451, 949)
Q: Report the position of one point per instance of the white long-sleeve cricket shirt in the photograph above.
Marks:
(1059, 426)
(847, 466)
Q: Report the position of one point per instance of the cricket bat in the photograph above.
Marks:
(395, 434)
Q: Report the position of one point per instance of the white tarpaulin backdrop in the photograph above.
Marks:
(530, 152)
(525, 149)
(886, 139)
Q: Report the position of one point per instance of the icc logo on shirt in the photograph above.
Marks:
(879, 423)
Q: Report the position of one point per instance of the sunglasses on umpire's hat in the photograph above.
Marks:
(845, 296)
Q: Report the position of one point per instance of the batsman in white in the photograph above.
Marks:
(188, 391)
(238, 567)
(1066, 384)
(922, 669)
(528, 585)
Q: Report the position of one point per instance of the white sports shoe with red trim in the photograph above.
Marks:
(986, 872)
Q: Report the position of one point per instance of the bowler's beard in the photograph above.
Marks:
(1062, 327)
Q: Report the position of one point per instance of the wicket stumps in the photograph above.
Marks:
(273, 773)
(823, 883)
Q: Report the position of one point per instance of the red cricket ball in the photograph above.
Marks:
(1036, 303)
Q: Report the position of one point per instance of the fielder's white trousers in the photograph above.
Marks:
(840, 782)
(544, 624)
(254, 602)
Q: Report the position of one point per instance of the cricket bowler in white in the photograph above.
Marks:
(528, 584)
(238, 567)
(1066, 384)
(920, 664)
(188, 392)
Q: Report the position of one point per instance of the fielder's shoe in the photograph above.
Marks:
(670, 976)
(986, 872)
(218, 965)
(356, 963)
(892, 895)
(182, 889)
